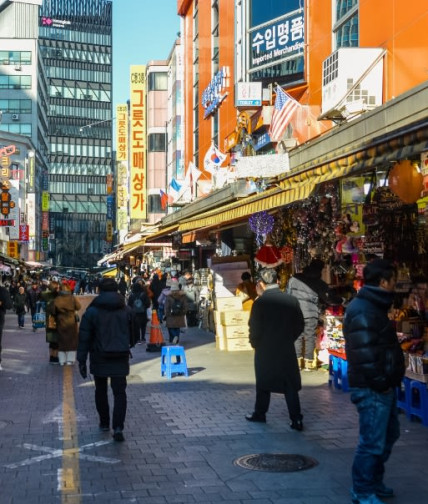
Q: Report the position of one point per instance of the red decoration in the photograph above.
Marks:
(269, 256)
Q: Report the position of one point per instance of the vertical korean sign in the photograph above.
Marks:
(138, 186)
(122, 167)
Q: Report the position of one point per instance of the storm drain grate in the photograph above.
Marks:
(276, 462)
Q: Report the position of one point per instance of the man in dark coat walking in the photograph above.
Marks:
(107, 333)
(375, 369)
(276, 321)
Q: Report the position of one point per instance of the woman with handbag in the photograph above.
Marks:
(65, 306)
(48, 297)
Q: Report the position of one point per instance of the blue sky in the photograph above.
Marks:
(143, 30)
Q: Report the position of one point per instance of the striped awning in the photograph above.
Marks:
(239, 210)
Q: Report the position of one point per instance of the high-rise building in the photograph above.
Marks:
(75, 39)
(23, 113)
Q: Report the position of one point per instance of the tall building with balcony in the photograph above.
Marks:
(75, 39)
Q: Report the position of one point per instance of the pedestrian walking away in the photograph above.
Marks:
(48, 297)
(5, 304)
(276, 321)
(20, 305)
(65, 307)
(375, 369)
(33, 297)
(106, 334)
(140, 302)
(176, 307)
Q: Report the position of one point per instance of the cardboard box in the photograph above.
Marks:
(220, 342)
(238, 344)
(235, 317)
(228, 303)
(240, 331)
(217, 317)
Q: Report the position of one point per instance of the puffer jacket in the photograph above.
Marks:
(107, 322)
(375, 358)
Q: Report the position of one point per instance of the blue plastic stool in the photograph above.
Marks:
(338, 373)
(419, 400)
(403, 396)
(179, 365)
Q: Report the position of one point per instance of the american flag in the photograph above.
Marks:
(282, 112)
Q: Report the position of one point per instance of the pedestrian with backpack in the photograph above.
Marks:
(139, 301)
(176, 306)
(107, 333)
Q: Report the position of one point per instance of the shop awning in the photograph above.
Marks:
(268, 200)
(109, 273)
(160, 234)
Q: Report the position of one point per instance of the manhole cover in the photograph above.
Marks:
(276, 462)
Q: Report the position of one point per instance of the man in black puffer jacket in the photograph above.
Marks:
(375, 368)
(107, 333)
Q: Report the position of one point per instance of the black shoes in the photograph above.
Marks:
(254, 417)
(118, 435)
(297, 425)
(104, 427)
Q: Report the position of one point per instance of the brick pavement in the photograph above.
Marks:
(182, 435)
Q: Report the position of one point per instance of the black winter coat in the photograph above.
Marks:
(276, 321)
(375, 358)
(107, 319)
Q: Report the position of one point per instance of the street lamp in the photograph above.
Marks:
(95, 124)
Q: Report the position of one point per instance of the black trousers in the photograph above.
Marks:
(2, 316)
(118, 386)
(291, 398)
(141, 325)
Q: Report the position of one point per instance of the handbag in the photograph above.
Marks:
(51, 323)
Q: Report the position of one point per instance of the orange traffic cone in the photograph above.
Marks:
(156, 341)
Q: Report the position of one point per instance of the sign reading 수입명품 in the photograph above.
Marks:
(277, 40)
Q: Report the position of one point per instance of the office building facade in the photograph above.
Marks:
(75, 38)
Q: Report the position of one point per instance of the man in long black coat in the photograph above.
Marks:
(107, 332)
(276, 321)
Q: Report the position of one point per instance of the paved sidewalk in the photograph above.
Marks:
(182, 435)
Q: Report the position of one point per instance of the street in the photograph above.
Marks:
(182, 435)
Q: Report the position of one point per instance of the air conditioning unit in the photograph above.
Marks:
(15, 117)
(18, 68)
(343, 68)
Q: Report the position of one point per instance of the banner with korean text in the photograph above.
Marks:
(122, 167)
(137, 140)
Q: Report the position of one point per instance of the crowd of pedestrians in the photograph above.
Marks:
(116, 320)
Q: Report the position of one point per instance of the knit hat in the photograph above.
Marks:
(108, 285)
(174, 285)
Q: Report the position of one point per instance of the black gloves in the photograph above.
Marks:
(82, 370)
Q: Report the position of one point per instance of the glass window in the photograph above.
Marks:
(262, 11)
(346, 31)
(155, 203)
(157, 142)
(158, 81)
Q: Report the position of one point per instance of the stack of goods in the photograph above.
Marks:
(334, 330)
(231, 324)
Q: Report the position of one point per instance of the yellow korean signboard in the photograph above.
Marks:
(138, 184)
